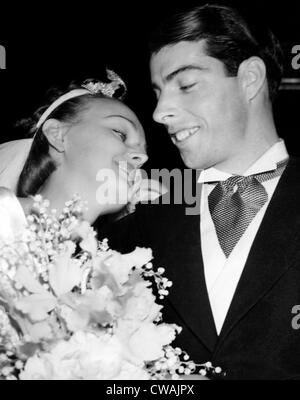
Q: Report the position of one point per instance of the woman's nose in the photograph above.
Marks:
(137, 159)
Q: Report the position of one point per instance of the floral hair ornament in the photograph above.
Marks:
(107, 89)
(88, 87)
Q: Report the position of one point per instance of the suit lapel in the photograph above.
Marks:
(272, 251)
(183, 259)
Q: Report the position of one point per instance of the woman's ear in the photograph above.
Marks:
(252, 75)
(55, 131)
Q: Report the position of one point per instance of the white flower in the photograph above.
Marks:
(37, 198)
(96, 306)
(121, 265)
(130, 371)
(89, 244)
(85, 356)
(139, 257)
(37, 368)
(146, 343)
(118, 267)
(75, 320)
(65, 272)
(142, 305)
(87, 234)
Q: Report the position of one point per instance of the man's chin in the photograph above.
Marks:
(191, 162)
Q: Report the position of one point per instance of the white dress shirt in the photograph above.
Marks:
(222, 274)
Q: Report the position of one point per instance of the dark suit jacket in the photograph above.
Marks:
(257, 340)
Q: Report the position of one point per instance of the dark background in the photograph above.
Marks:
(52, 44)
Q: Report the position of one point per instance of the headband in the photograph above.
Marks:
(88, 87)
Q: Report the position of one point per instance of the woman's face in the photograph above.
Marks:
(105, 148)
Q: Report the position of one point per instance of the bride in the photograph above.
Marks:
(79, 135)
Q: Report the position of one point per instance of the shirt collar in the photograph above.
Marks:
(267, 162)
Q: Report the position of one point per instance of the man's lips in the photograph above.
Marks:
(183, 134)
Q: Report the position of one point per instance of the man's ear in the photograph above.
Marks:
(252, 75)
(54, 131)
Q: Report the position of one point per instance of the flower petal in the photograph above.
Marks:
(139, 257)
(64, 274)
(37, 305)
(26, 279)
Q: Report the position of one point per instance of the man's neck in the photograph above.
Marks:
(260, 136)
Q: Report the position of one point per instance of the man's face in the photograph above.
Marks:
(202, 108)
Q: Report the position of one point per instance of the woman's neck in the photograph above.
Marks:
(58, 190)
(26, 203)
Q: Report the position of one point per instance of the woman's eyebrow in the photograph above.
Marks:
(122, 116)
(130, 121)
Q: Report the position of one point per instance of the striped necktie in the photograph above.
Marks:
(234, 203)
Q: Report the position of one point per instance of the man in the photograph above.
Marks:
(235, 266)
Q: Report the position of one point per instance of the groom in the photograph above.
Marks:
(235, 265)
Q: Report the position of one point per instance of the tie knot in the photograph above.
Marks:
(236, 182)
(235, 202)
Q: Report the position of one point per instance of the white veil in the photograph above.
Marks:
(12, 159)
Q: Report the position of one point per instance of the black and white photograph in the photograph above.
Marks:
(150, 193)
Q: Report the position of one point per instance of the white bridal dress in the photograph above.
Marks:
(12, 158)
(12, 217)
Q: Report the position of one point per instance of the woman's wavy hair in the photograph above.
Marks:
(39, 164)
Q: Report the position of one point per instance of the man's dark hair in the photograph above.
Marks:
(228, 38)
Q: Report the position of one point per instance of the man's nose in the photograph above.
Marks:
(165, 110)
(137, 159)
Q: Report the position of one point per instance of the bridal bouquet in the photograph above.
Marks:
(72, 308)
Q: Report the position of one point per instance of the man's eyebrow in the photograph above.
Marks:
(172, 75)
(122, 116)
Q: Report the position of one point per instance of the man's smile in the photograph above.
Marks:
(183, 134)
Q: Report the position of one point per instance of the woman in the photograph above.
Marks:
(85, 142)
